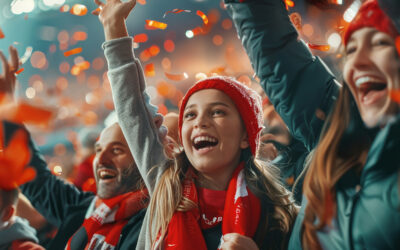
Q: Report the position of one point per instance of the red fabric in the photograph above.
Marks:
(84, 171)
(25, 245)
(211, 203)
(241, 214)
(370, 15)
(247, 101)
(109, 218)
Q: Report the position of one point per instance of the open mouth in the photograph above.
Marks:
(370, 90)
(106, 174)
(204, 142)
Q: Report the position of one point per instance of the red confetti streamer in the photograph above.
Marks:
(157, 25)
(72, 52)
(19, 71)
(1, 34)
(78, 10)
(398, 44)
(140, 38)
(395, 95)
(197, 31)
(203, 16)
(176, 11)
(13, 162)
(177, 77)
(149, 70)
(319, 47)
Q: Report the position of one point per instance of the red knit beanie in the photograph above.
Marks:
(370, 15)
(247, 101)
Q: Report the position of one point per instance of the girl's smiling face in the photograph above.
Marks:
(213, 135)
(371, 70)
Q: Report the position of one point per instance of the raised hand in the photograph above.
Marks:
(234, 241)
(7, 78)
(112, 15)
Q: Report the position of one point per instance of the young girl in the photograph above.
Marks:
(351, 188)
(212, 194)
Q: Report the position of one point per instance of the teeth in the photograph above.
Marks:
(104, 173)
(204, 138)
(360, 81)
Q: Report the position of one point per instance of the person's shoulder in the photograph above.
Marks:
(25, 245)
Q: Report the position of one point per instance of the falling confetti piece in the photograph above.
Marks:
(140, 38)
(80, 36)
(398, 44)
(203, 16)
(177, 77)
(289, 4)
(1, 34)
(78, 10)
(26, 56)
(13, 162)
(319, 47)
(169, 45)
(149, 70)
(19, 71)
(290, 180)
(72, 52)
(176, 11)
(295, 18)
(395, 95)
(142, 2)
(79, 67)
(197, 31)
(64, 8)
(157, 25)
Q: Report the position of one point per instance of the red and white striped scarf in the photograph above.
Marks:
(102, 230)
(241, 215)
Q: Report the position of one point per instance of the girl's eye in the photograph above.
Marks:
(350, 50)
(218, 112)
(381, 42)
(117, 150)
(188, 115)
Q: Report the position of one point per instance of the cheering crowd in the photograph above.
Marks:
(204, 179)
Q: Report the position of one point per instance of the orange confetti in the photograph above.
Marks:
(26, 113)
(290, 180)
(14, 160)
(140, 38)
(19, 71)
(169, 45)
(177, 77)
(149, 70)
(79, 67)
(157, 25)
(80, 36)
(295, 18)
(78, 10)
(203, 16)
(1, 34)
(395, 95)
(64, 8)
(162, 109)
(142, 2)
(289, 4)
(154, 50)
(175, 11)
(197, 31)
(398, 44)
(72, 52)
(319, 47)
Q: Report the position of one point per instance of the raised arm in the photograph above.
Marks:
(296, 82)
(135, 113)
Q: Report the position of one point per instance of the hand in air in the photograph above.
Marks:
(7, 78)
(234, 241)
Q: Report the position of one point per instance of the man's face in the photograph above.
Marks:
(114, 169)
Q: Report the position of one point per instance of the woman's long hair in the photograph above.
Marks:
(279, 211)
(343, 147)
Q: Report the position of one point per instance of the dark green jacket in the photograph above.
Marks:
(299, 84)
(63, 204)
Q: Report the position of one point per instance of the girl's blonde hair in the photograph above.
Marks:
(278, 210)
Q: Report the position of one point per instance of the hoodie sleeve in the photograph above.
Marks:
(135, 113)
